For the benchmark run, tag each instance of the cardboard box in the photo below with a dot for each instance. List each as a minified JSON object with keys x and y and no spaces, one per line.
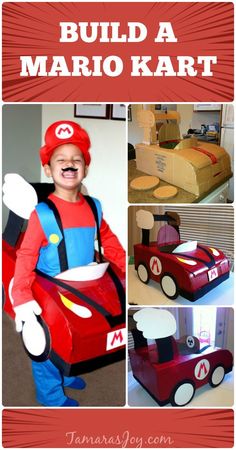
{"x":193,"y":166}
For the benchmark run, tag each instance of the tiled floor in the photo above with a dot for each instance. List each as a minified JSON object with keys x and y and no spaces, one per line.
{"x":205,"y":396}
{"x":151,"y":294}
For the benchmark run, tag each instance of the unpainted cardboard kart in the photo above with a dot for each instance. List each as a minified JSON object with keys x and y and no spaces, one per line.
{"x":197,"y":167}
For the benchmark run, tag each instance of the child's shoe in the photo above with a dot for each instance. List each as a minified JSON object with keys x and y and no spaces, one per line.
{"x":70,"y":402}
{"x":77,"y":383}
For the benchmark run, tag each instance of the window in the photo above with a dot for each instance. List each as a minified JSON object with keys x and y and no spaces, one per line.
{"x":204,"y":325}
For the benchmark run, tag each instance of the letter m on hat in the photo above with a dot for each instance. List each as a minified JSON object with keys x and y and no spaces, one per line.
{"x":64,"y":131}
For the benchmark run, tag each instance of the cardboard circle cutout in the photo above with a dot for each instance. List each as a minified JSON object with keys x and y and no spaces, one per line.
{"x":165,"y":192}
{"x":144,"y":183}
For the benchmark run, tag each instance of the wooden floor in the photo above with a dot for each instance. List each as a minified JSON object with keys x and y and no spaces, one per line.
{"x":105,"y":386}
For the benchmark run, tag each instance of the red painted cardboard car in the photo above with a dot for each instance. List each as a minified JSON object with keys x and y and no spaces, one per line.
{"x":73,"y":342}
{"x":190,"y":273}
{"x":170,"y":374}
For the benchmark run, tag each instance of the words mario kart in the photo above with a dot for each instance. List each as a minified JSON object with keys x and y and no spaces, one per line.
{"x":105,"y":33}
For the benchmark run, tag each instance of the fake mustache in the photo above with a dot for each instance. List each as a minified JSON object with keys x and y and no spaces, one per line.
{"x":72,"y":169}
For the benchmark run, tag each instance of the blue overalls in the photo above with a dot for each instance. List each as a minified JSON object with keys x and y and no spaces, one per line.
{"x":78,"y":250}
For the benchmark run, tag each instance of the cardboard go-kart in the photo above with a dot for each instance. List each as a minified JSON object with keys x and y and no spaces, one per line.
{"x":182,"y":268}
{"x":169,"y":370}
{"x":82,"y":325}
{"x":197,"y":167}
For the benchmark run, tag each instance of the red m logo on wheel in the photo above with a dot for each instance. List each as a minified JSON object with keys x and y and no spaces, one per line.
{"x":202,"y":367}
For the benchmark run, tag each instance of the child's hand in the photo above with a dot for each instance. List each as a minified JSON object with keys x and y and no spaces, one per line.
{"x":19,"y":196}
{"x":26,"y":313}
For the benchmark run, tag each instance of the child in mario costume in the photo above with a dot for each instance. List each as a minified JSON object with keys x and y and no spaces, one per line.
{"x":65,"y":157}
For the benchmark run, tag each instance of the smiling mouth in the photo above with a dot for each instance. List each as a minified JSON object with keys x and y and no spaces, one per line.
{"x":69,"y":172}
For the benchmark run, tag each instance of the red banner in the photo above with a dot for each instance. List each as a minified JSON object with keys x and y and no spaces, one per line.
{"x":109,"y":52}
{"x":118,"y":428}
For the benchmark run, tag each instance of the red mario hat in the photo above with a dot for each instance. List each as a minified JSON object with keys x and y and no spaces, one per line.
{"x":65,"y":132}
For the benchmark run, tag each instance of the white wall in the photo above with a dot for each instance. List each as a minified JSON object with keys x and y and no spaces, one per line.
{"x":106,"y":179}
{"x":21,"y":132}
{"x":194,"y":119}
{"x":135,"y":133}
{"x":188,"y":119}
{"x":186,"y":114}
{"x":229,"y":344}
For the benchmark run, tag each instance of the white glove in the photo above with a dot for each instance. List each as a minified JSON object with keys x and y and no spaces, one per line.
{"x":26,"y":313}
{"x":19,"y":196}
{"x":144,"y":219}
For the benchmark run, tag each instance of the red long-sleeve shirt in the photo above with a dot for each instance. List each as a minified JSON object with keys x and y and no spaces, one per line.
{"x":76,"y":214}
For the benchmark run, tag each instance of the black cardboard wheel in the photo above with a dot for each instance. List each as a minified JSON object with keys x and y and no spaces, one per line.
{"x":143,"y":273}
{"x":169,"y":286}
{"x":182,"y":393}
{"x":217,"y":376}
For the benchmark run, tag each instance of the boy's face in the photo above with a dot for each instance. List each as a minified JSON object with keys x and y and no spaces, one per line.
{"x":67,"y":166}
